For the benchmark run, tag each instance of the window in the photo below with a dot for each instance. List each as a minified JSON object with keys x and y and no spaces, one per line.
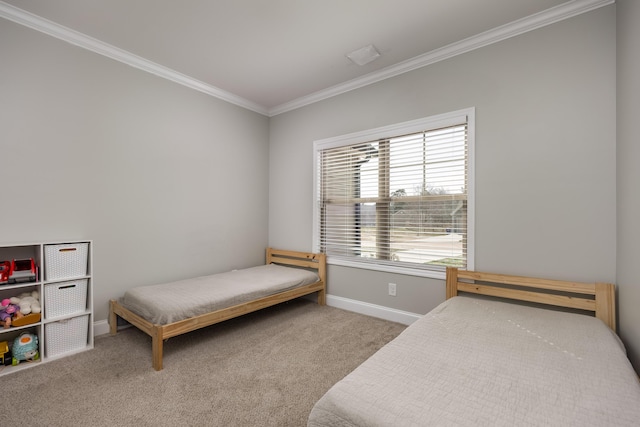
{"x":398,"y":198}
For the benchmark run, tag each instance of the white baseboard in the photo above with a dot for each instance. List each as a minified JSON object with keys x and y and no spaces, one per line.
{"x":101,"y":327}
{"x":386,"y":313}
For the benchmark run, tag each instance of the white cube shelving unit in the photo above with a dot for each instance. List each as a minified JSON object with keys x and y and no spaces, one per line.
{"x":64,"y":284}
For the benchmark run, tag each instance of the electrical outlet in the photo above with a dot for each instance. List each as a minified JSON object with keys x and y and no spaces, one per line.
{"x":392,"y":289}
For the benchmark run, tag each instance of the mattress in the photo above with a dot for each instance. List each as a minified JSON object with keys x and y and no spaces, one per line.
{"x":171,"y":302}
{"x":473,"y":362}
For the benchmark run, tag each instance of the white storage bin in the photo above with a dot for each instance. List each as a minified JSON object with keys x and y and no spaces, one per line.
{"x":66,"y":335}
{"x":65,"y":298}
{"x":65,"y":261}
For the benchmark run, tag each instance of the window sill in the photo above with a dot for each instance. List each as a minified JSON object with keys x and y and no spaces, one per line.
{"x":396,"y":269}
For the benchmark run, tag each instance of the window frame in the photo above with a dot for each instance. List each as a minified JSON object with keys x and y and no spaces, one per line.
{"x":388,"y":132}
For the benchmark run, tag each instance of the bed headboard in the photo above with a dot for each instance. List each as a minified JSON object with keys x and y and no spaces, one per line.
{"x":598,"y":298}
{"x":316,"y":261}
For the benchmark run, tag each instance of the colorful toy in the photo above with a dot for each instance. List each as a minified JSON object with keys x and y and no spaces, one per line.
{"x":28,"y":302}
{"x":23,"y":270}
{"x":8,"y":312}
{"x":18,"y":271}
{"x":5,"y":354}
{"x":25,"y":347}
{"x":5,"y":271}
{"x":29,"y":309}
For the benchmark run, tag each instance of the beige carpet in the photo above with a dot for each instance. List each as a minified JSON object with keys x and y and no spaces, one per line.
{"x":264,"y":369}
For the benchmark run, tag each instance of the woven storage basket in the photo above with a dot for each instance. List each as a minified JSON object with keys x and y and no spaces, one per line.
{"x":65,"y":261}
{"x":66,"y":335}
{"x":65,"y":298}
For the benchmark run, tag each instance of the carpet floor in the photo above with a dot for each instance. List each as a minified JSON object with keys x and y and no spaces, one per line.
{"x":264,"y":369}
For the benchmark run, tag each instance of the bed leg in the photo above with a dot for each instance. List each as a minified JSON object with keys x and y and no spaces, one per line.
{"x":113,"y":318}
{"x":322,"y":297}
{"x":156,"y":348}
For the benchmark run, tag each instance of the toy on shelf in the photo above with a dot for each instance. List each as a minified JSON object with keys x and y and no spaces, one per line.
{"x":8,"y":312}
{"x":5,"y":271}
{"x":29,"y":307}
{"x":18,"y":271}
{"x":23,"y":270}
{"x":28,"y":301}
{"x":25,"y":348}
{"x":20,"y":311}
{"x":5,"y":354}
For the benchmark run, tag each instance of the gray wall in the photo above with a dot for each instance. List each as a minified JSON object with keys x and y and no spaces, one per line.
{"x":545,"y":156}
{"x":170,"y":183}
{"x":628,"y":111}
{"x":166,"y":181}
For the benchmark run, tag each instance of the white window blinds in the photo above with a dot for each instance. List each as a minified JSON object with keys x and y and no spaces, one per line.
{"x":397,"y":200}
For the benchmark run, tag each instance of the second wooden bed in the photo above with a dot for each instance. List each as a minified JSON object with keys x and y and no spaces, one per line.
{"x":476,"y":360}
{"x":160,"y":332}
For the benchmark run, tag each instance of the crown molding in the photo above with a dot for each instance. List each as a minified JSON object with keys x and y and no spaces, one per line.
{"x":76,"y":38}
{"x":555,"y":14}
{"x":515,"y":28}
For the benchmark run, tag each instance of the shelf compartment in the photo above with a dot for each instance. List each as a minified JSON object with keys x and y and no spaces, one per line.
{"x":9,"y":335}
{"x":66,"y":336}
{"x":63,"y":298}
{"x":65,"y":261}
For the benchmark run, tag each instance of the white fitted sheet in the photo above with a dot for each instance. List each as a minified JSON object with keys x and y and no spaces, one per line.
{"x":473,"y":362}
{"x":170,"y":302}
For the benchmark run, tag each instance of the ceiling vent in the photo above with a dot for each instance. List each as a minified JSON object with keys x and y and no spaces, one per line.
{"x":364,"y":55}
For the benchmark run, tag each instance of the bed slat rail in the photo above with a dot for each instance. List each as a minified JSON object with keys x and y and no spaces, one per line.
{"x":293,"y":261}
{"x":598,"y":298}
{"x":550,"y":299}
{"x":556,"y":285}
{"x":301,"y":259}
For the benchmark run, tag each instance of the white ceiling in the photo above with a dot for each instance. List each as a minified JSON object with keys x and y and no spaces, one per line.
{"x":275,"y":55}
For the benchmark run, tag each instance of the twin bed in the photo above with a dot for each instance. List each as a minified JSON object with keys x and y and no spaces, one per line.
{"x":489,"y":355}
{"x":167,"y":310}
{"x":475,"y":360}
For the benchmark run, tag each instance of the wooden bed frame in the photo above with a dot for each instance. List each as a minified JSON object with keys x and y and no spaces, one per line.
{"x":159,"y":333}
{"x":518,"y":397}
{"x":598,"y":298}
